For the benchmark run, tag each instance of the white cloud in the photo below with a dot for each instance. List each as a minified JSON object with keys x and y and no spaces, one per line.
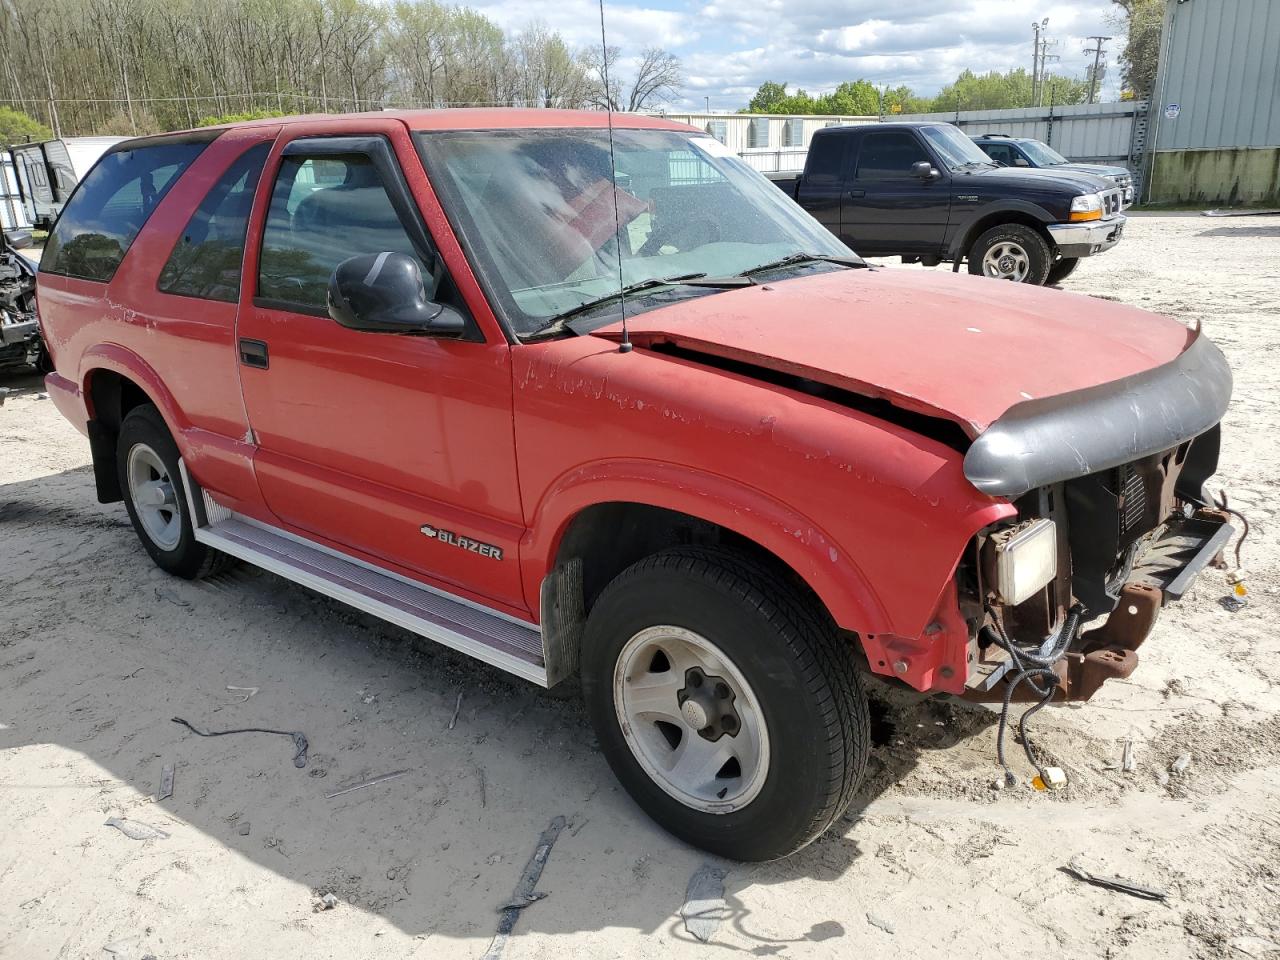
{"x":729,"y":47}
{"x":816,"y":44}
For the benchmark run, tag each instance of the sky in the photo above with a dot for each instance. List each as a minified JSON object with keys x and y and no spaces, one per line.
{"x":729,"y":47}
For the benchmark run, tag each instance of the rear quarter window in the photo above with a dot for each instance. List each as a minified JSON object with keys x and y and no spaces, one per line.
{"x":112,"y":204}
{"x":205,"y":262}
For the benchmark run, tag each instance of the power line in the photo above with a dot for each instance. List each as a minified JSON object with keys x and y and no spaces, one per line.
{"x":1099,"y":65}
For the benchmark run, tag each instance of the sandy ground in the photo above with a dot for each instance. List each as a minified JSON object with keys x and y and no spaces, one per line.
{"x":98,"y":650}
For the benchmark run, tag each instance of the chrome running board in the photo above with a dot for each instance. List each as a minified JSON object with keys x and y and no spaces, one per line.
{"x":494,"y":638}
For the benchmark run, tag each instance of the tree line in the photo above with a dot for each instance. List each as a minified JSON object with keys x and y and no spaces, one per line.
{"x":969,"y":91}
{"x":140,"y":66}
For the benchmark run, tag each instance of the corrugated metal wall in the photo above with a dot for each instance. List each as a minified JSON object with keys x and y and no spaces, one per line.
{"x":738,"y":126}
{"x":1097,"y":132}
{"x":1221,"y":67}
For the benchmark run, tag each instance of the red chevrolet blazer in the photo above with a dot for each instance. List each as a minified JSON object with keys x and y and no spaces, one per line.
{"x":602,"y":402}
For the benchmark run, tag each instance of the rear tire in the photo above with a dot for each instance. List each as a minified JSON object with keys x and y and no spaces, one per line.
{"x":1062,"y":268}
{"x":154,"y":495}
{"x":1011,"y":251}
{"x":756,"y":675}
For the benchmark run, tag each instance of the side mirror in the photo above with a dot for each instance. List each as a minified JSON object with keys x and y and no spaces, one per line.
{"x":384,"y":293}
{"x":925,"y":170}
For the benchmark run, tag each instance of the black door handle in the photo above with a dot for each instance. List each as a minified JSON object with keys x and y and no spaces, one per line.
{"x":253,"y":353}
{"x":854,"y":194}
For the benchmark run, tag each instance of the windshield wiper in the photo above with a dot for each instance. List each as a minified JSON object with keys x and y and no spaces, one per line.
{"x":806,"y":258}
{"x":560,"y":320}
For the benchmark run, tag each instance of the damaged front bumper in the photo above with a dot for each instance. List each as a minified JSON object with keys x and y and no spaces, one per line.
{"x":1120,"y":469}
{"x":1168,"y":562}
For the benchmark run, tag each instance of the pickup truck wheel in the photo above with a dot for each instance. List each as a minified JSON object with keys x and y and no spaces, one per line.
{"x":725,"y":703}
{"x":1062,"y":268}
{"x":147,"y":465}
{"x":1011,"y":251}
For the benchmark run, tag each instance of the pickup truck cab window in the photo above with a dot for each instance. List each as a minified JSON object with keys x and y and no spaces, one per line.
{"x":825,"y":163}
{"x":206,"y":260}
{"x":535,"y":210}
{"x":324,"y":209}
{"x":113,"y":202}
{"x":890,"y":156}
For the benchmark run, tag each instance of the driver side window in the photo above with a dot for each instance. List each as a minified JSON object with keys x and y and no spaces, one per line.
{"x":323,"y":210}
{"x":999,"y":152}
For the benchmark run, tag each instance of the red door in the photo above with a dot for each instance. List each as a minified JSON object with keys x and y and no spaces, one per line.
{"x":395,"y":447}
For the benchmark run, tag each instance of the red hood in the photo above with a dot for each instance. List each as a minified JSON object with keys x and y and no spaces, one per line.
{"x":961,"y":347}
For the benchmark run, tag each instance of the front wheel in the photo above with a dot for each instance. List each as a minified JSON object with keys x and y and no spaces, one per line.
{"x":1011,"y":251}
{"x":725,"y":702}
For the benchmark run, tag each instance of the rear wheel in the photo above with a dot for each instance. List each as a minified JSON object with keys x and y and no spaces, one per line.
{"x":147,"y":465}
{"x":1061,"y":269}
{"x":725,"y":702}
{"x":1011,"y":251}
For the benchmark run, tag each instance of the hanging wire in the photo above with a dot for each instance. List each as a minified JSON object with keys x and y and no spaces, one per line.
{"x":625,"y":346}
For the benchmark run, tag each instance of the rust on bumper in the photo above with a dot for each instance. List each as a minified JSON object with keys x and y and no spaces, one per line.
{"x":1110,"y":651}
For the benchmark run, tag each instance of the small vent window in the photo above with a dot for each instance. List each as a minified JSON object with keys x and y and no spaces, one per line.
{"x":758,"y":132}
{"x":793,"y":132}
{"x":719,"y":130}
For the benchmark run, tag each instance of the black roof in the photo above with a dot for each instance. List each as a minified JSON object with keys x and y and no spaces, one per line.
{"x":885,"y":125}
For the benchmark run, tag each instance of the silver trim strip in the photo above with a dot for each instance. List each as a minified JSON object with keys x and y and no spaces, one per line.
{"x":432,"y":630}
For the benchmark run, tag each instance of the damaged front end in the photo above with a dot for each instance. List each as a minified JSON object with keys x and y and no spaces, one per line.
{"x":1113,"y":521}
{"x":20,"y":343}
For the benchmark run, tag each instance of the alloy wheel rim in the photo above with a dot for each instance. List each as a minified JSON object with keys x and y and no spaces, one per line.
{"x":1007,"y":261}
{"x":691,"y":719}
{"x":153,"y":496}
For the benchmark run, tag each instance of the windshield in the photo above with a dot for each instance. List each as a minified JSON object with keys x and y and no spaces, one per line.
{"x":1041,"y":154}
{"x":537,"y":213}
{"x":956,"y":149}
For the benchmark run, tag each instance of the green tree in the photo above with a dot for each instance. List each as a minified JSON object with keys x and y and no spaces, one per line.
{"x":902,"y":99}
{"x":767,"y":97}
{"x":850,"y":99}
{"x":1004,"y":91}
{"x":1142,"y":21}
{"x":237,"y":117}
{"x":18,"y":127}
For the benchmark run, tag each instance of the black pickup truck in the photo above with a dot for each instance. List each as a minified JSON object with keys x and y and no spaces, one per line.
{"x":925,"y":192}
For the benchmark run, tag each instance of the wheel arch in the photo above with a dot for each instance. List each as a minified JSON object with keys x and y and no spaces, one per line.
{"x":1025,"y":214}
{"x":113,"y":382}
{"x":600,"y":519}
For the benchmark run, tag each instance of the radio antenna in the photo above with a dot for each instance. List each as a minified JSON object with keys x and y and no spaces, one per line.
{"x":625,"y":346}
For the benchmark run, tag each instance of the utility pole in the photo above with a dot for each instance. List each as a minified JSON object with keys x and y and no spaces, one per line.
{"x":1039,"y":55}
{"x":1099,"y":66}
{"x":1035,"y":58}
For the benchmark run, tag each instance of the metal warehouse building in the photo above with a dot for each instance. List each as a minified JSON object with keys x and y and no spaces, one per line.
{"x":1216,"y":104}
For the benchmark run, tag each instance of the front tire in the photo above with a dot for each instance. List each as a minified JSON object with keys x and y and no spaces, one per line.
{"x":1011,"y":251}
{"x":147,"y":467}
{"x":1063,"y":268}
{"x":725,"y":702}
